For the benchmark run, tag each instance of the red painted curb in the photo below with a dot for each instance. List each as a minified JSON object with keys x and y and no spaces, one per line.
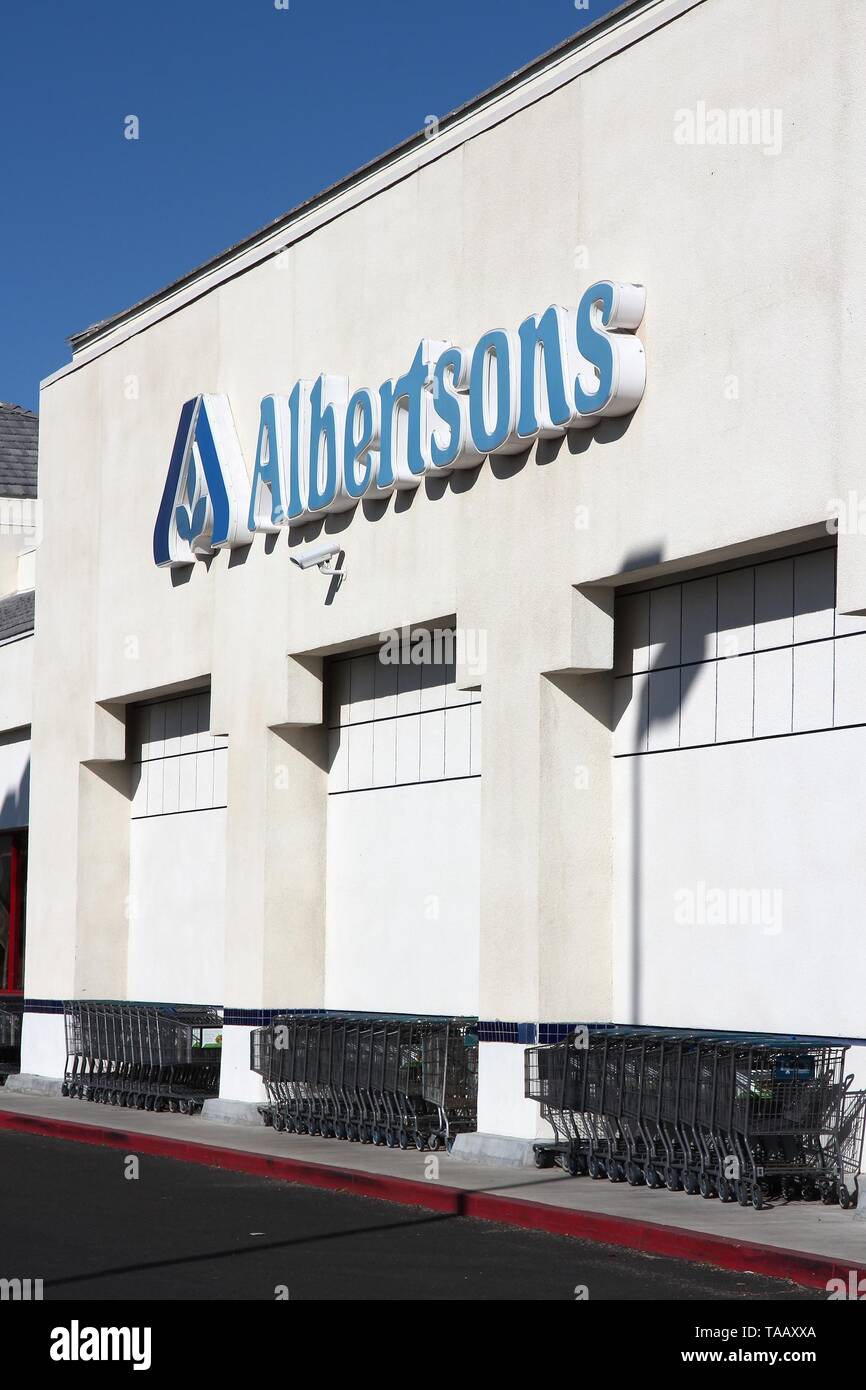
{"x":649,"y":1237}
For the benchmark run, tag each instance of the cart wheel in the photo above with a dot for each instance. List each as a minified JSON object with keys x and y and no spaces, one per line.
{"x":634,"y":1176}
{"x":449,"y":1143}
{"x":571,"y":1164}
{"x":705,"y":1186}
{"x":64,"y":1089}
{"x":420,"y":1141}
{"x":403,"y":1139}
{"x":435,"y":1142}
{"x":844,"y":1197}
{"x":757,"y":1198}
{"x":593,"y":1166}
{"x":390,"y":1138}
{"x":724,"y":1190}
{"x":543,"y":1158}
{"x":828,"y":1197}
{"x":649,"y":1175}
{"x":672,"y":1179}
{"x":808,"y":1192}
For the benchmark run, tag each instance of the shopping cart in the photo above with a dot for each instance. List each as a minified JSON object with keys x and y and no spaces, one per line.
{"x":371,"y":1080}
{"x":783,"y":1112}
{"x":449,"y":1065}
{"x":743,"y":1119}
{"x":849,"y":1145}
{"x":142,"y":1056}
{"x":579,"y":1083}
{"x":11,"y":1012}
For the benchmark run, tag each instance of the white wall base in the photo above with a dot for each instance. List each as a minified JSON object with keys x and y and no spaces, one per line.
{"x":29,"y":1085}
{"x":237,"y":1082}
{"x":502,"y":1108}
{"x":43,"y":1045}
{"x":855,"y":1065}
{"x":499,"y":1150}
{"x":232,"y":1112}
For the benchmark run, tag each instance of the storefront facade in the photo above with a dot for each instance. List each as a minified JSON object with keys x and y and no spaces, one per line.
{"x":621,"y":781}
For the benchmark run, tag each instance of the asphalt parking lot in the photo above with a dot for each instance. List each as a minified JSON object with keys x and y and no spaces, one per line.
{"x":79,"y":1218}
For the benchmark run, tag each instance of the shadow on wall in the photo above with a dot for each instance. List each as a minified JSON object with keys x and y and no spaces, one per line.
{"x":635,"y":561}
{"x":502,"y":467}
{"x":762,"y":599}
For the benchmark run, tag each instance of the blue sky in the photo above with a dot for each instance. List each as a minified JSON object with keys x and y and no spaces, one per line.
{"x":244,"y":110}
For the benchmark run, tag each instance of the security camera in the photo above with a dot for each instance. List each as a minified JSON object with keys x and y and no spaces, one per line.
{"x":319,"y":555}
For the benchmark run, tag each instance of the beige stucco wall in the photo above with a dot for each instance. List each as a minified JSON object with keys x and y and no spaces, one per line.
{"x":753,"y":265}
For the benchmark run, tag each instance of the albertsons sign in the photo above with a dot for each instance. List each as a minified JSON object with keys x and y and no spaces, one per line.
{"x":324,"y":447}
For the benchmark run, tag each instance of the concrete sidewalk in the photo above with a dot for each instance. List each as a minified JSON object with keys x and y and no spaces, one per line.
{"x":806,"y":1242}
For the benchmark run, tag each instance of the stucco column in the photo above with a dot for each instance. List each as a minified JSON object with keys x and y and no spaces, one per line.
{"x":546,"y":854}
{"x":275,"y":864}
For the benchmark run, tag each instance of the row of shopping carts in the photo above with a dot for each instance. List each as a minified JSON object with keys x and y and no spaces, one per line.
{"x":375,"y":1081}
{"x":748,"y":1120}
{"x":10,"y":1037}
{"x":142,"y":1056}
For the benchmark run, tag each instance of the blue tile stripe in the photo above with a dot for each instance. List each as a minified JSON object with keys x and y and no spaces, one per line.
{"x":489,"y":1030}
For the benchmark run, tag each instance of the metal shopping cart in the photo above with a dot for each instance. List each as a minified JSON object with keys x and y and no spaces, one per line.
{"x":744,"y":1119}
{"x":144,"y":1056}
{"x":449,"y":1062}
{"x":379,"y":1081}
{"x":11,"y":1012}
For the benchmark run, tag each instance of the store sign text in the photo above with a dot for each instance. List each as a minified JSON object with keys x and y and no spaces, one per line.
{"x":324,"y":448}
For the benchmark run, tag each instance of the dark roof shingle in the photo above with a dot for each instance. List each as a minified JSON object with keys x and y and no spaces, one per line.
{"x":17,"y":614}
{"x":19,"y":441}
